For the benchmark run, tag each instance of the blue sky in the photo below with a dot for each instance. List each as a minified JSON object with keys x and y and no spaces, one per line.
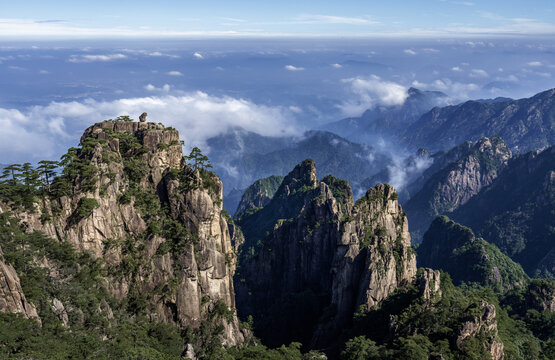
{"x":164,"y":18}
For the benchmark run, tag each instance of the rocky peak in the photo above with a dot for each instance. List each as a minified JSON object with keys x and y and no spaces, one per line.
{"x":155,"y":225}
{"x":475,"y":167}
{"x":258,"y":194}
{"x":155,"y":138}
{"x":302,"y":176}
{"x":323,"y":256}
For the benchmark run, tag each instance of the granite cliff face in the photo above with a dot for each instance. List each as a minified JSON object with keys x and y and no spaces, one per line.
{"x":516,"y":212}
{"x":483,"y":324}
{"x":153,"y":223}
{"x":12,"y":298}
{"x":312,"y":257}
{"x":456,"y":183}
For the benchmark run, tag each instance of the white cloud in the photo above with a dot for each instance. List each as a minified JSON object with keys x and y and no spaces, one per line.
{"x":293,"y":68}
{"x":535,"y":63}
{"x":295,"y":109}
{"x":330,"y":19}
{"x":510,"y":78}
{"x":148,"y":53}
{"x":337,"y":66}
{"x":410,"y":52}
{"x":40,"y":132}
{"x":164,"y":88}
{"x":402,"y":172}
{"x":44,"y":72}
{"x":175,"y":73}
{"x":371,"y":92}
{"x":452,"y":88}
{"x":456,"y":68}
{"x":11,"y":28}
{"x":478,"y":73}
{"x":198,"y":55}
{"x":92,"y":58}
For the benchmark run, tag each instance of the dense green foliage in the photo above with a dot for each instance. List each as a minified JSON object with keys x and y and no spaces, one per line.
{"x":454,"y":248}
{"x":407,"y":326}
{"x":91,"y":333}
{"x":340,"y":188}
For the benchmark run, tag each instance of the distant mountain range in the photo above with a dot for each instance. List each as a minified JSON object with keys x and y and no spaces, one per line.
{"x":388,"y":120}
{"x":524,"y":124}
{"x":377,"y":147}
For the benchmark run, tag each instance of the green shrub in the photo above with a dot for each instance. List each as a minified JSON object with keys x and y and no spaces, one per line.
{"x":86,"y":206}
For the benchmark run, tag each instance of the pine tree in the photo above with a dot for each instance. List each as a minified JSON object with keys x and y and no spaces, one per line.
{"x":47,"y":168}
{"x":198,"y":161}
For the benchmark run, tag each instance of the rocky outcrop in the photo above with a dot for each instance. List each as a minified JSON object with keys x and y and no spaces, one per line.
{"x":372,"y":258}
{"x":258,"y":194}
{"x":483,"y":325}
{"x":540,"y":295}
{"x":516,"y":212}
{"x":312,"y":249}
{"x":429,"y":283}
{"x":453,"y":248}
{"x":12,"y":298}
{"x":157,"y":224}
{"x":455,"y":184}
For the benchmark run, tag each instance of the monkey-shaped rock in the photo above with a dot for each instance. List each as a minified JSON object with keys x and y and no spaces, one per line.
{"x":142,"y":118}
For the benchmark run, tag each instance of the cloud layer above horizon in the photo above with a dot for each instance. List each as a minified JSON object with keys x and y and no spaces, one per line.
{"x":38,"y":132}
{"x":426,"y":18}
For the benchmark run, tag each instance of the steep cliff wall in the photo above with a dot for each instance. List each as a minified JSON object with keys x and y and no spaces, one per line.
{"x":154,"y":224}
{"x":456,"y":183}
{"x":12,"y":298}
{"x":311,"y":249}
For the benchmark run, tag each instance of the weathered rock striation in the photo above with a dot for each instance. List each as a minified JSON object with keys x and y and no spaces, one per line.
{"x":455,"y":184}
{"x":484,"y":325}
{"x":12,"y":298}
{"x":155,"y":224}
{"x":311,"y":249}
